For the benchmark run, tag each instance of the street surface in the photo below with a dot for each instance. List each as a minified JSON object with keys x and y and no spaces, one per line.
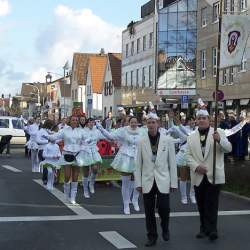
{"x":33,"y":218}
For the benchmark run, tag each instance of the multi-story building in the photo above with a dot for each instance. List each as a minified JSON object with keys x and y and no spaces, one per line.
{"x":176,"y":49}
{"x":94,"y":84}
{"x":234,"y":81}
{"x":138,"y":60}
{"x":111,"y":94}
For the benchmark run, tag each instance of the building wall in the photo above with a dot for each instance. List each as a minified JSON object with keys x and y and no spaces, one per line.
{"x":207,"y":39}
{"x":140,"y":60}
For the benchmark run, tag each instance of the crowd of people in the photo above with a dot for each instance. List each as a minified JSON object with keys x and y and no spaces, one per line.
{"x":149,"y":158}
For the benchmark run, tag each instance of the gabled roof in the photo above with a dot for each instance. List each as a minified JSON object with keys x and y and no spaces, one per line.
{"x":97,"y":65}
{"x":115,"y":67}
{"x":80,"y":66}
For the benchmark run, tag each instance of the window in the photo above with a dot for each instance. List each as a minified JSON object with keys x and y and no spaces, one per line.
{"x":150,"y":75}
{"x":4,"y":123}
{"x":243,"y":5}
{"x":203,"y":64}
{"x":126,"y":79}
{"x":231,"y":75}
{"x":243,"y":66}
{"x":126,"y":50}
{"x":72,"y":94}
{"x":214,"y":61}
{"x":204,"y":17}
{"x":131,"y":77}
{"x":216,"y":12}
{"x":151,"y":40}
{"x":105,"y":111}
{"x":76,"y":93}
{"x":137,"y":78}
{"x":17,"y":124}
{"x":110,"y":88}
{"x":105,"y":89}
{"x":231,"y":6}
{"x":132,"y":48}
{"x":144,"y":43}
{"x":111,"y":109}
{"x":225,"y":7}
{"x":224,"y":77}
{"x":138,"y":46}
{"x":143,"y":77}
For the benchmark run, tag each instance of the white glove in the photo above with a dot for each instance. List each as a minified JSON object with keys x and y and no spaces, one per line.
{"x":98,"y":125}
{"x":88,"y":140}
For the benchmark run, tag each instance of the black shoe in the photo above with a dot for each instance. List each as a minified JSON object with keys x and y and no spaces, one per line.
{"x":201,"y":235}
{"x":151,"y":243}
{"x":213,"y":236}
{"x":165,"y":236}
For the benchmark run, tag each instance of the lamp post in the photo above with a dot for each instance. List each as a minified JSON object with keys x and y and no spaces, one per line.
{"x":38,"y":93}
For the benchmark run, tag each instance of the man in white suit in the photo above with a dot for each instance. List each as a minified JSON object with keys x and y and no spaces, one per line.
{"x":155,"y":175}
{"x":199,"y":157}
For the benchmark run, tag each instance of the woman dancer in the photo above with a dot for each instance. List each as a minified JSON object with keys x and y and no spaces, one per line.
{"x":124,"y":161}
{"x":89,"y":157}
{"x":32,"y":144}
{"x":72,"y":137}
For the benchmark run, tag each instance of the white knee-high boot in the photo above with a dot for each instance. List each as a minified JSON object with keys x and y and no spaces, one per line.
{"x":183,"y":190}
{"x":85,"y":182}
{"x":192,"y":195}
{"x":126,"y":193}
{"x":34,"y":160}
{"x":67,"y":190}
{"x":50,"y":181}
{"x":135,"y":196}
{"x":92,"y":183}
{"x":73,"y":192}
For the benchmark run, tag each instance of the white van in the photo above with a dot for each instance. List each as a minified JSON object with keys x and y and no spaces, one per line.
{"x":13,"y":126}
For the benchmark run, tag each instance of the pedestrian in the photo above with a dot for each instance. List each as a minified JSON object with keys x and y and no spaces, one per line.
{"x":199,"y":158}
{"x":155,"y":176}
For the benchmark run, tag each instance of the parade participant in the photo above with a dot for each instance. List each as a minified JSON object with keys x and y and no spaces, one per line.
{"x":155,"y":175}
{"x":72,"y":137}
{"x":32,"y":145}
{"x":199,"y":156}
{"x":51,"y":155}
{"x":89,"y":157}
{"x":182,"y":164}
{"x":44,"y":131}
{"x":82,"y":121}
{"x":63,"y":123}
{"x":27,"y":136}
{"x":124,"y":161}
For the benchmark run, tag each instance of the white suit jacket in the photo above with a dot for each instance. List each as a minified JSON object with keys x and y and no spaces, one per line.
{"x":163,"y":171}
{"x":195,"y":157}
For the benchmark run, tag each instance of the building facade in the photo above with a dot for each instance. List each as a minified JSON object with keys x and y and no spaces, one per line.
{"x":138,"y":60}
{"x":111,"y":94}
{"x":234,"y":81}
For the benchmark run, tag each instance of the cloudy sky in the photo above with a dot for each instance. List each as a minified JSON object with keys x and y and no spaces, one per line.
{"x":40,"y":36}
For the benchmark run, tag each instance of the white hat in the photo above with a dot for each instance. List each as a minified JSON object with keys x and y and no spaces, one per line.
{"x":152,"y":116}
{"x":202,"y":112}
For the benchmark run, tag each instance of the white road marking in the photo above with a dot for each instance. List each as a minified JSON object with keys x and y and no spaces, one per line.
{"x":111,"y":216}
{"x":12,"y":168}
{"x":77,"y":209}
{"x":117,"y":240}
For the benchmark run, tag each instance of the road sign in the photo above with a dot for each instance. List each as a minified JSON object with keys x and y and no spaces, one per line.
{"x":220,"y":95}
{"x":184,"y":102}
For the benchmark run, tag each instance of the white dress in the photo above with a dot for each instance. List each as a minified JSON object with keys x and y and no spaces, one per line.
{"x":89,"y":154}
{"x":125,"y":159}
{"x":72,"y":143}
{"x":32,"y":130}
{"x":51,"y":155}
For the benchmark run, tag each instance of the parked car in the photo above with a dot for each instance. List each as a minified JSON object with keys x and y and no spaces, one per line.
{"x":13,"y":126}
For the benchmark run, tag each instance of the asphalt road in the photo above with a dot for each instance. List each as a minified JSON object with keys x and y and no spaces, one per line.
{"x":33,"y":218}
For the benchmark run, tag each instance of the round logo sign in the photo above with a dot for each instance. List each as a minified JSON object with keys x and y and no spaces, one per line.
{"x":220,"y":95}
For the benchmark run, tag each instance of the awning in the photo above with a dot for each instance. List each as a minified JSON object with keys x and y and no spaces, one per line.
{"x":244,"y":101}
{"x":229,"y":102}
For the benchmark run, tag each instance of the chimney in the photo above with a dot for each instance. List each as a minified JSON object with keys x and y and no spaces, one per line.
{"x":102,"y":52}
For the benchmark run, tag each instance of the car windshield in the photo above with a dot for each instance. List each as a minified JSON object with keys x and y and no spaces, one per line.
{"x":17,"y":124}
{"x":4,"y":123}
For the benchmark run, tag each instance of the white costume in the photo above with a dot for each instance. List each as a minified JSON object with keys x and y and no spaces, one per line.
{"x":32,"y":130}
{"x":72,"y":138}
{"x":125,"y":162}
{"x":51,"y":155}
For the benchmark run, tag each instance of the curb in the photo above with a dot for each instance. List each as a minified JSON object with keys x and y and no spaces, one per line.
{"x":236,"y":195}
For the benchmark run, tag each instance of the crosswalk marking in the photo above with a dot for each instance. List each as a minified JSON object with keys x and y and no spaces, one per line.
{"x":12,"y":168}
{"x":77,"y":209}
{"x":117,"y":240}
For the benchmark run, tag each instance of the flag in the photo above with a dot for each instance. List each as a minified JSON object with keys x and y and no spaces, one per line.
{"x":234,"y":35}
